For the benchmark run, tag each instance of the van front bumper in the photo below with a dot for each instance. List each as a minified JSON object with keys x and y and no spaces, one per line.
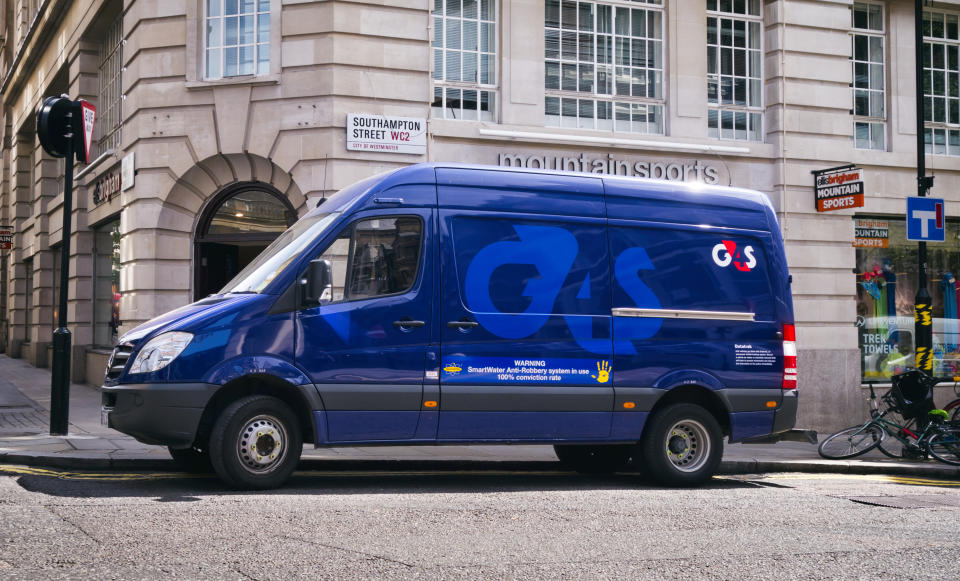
{"x":156,"y":413}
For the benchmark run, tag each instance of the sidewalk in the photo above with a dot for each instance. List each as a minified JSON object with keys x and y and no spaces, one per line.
{"x":25,"y":439}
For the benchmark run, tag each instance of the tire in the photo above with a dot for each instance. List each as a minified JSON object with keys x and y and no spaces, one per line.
{"x":193,"y":459}
{"x":945,"y":446}
{"x":256,"y":443}
{"x":851,"y":442}
{"x":682,"y":445}
{"x":594,"y":459}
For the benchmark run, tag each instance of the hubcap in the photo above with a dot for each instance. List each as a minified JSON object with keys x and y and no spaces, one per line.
{"x":687,"y":445}
{"x":262,"y":444}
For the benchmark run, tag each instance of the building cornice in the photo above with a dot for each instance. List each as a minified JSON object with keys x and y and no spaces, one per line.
{"x":40,"y":29}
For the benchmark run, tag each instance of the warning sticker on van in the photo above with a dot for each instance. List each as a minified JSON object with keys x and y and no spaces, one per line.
{"x":748,"y":355}
{"x":500,"y":370}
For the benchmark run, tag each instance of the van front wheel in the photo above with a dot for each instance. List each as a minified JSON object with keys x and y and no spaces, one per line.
{"x":594,"y":459}
{"x":682,"y":446}
{"x":256,"y":443}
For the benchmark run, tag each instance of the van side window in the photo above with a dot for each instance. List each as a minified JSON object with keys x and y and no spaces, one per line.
{"x":375,"y":257}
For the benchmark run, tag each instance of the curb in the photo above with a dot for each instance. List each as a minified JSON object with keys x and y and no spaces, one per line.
{"x":727,"y":467}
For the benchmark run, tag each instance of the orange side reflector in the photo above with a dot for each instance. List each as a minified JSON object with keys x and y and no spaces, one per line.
{"x":629,"y":405}
{"x":430,"y":404}
{"x":771,"y":404}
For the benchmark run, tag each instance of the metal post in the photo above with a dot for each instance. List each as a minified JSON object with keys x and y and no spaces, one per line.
{"x":923,"y":311}
{"x":60,"y":383}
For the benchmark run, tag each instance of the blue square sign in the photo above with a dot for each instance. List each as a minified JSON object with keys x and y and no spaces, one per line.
{"x":925,"y":220}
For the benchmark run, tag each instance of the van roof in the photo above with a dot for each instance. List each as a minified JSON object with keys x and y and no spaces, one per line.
{"x":676,"y":201}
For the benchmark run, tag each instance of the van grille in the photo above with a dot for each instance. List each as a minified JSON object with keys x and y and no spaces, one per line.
{"x":118,"y":360}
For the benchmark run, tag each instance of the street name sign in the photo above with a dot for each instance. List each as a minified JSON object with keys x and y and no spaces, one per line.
{"x":384,"y":134}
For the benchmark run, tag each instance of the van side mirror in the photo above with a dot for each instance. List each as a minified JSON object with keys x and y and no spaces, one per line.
{"x":319,"y":282}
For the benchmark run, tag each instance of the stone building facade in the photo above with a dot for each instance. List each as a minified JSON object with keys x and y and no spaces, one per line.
{"x":220,"y":121}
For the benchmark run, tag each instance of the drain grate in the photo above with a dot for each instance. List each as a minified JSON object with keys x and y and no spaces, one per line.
{"x":21,"y":421}
{"x":909,"y":501}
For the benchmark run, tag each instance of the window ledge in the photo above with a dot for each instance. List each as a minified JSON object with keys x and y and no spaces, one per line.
{"x":251,"y":80}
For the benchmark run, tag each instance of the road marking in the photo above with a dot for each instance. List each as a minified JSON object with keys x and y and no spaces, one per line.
{"x":15,"y":470}
{"x":868,"y":477}
{"x":93,"y":476}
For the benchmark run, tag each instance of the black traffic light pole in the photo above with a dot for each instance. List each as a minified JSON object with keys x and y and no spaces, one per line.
{"x":922,"y":308}
{"x":60,"y":124}
{"x":60,"y":382}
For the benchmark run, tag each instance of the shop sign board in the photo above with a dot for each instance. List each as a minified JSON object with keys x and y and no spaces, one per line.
{"x":386,"y":134}
{"x":871,"y":233}
{"x":925,"y":221}
{"x":6,"y":237}
{"x":106,"y":187}
{"x":838,"y":188}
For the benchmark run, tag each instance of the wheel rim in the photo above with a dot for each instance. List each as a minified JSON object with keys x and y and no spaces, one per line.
{"x":688,"y":445}
{"x":262,"y":444}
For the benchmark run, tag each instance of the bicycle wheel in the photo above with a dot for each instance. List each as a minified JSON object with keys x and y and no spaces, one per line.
{"x":851,"y":442}
{"x":892,"y":446}
{"x":945,"y":446}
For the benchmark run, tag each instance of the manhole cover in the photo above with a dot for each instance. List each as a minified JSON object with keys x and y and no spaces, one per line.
{"x":909,"y":501}
{"x":22,"y":421}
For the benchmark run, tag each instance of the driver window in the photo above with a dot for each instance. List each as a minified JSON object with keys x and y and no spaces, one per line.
{"x":375,"y":257}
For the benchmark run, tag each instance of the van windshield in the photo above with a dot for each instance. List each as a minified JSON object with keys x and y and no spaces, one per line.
{"x":274,"y":258}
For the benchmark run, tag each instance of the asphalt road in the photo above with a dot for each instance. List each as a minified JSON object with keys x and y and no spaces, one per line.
{"x":446,"y":524}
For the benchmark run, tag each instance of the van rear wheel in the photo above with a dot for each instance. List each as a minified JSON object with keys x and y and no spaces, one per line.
{"x":594,"y":459}
{"x":256,"y":443}
{"x":682,"y":446}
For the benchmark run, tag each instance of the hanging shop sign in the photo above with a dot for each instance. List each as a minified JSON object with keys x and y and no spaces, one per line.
{"x":869,"y":233}
{"x":838,"y":188}
{"x":106,"y":187}
{"x":386,"y":134}
{"x":6,"y":237}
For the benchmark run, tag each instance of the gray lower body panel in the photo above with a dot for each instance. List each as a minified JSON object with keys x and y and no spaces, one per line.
{"x":157,"y":413}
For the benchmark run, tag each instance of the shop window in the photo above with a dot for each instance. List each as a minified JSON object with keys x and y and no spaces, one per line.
{"x":869,"y":76}
{"x":464,"y":59}
{"x":941,"y":82}
{"x":886,"y":290}
{"x":604,"y":65}
{"x":734,"y":70}
{"x":106,"y":285}
{"x":109,"y":116}
{"x":236,"y":38}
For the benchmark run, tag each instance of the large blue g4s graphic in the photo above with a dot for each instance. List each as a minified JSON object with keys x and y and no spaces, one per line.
{"x":552,"y":251}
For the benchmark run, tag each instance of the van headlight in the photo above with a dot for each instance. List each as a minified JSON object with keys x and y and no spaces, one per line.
{"x":160,"y":351}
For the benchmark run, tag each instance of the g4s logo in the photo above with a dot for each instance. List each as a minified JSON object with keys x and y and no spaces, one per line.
{"x":726,"y":252}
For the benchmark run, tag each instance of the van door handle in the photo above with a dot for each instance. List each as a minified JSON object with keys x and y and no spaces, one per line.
{"x":408,"y":323}
{"x":462,"y":324}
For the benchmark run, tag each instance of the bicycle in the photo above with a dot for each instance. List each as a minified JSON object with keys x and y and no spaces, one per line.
{"x":938,"y":438}
{"x":893,"y":447}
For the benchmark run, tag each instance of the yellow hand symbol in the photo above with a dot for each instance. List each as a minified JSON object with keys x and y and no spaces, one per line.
{"x":603,"y":372}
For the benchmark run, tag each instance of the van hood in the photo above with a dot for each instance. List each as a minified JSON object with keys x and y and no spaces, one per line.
{"x":187,"y":315}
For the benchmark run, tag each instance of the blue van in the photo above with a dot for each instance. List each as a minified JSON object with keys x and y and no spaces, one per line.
{"x":615,"y":318}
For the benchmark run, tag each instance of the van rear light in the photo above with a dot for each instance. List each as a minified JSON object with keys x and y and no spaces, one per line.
{"x":789,"y":357}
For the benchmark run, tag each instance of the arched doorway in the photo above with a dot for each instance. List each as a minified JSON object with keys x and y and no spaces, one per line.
{"x":236,"y":226}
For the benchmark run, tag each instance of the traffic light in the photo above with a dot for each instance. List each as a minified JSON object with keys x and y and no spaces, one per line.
{"x":65,"y":126}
